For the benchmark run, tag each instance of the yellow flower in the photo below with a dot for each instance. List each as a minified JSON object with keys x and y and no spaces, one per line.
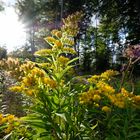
{"x":57,"y":33}
{"x":63,"y":60}
{"x":4,"y":120}
{"x":136,"y":99}
{"x":120,"y":104}
{"x":84,"y":98}
{"x":49,"y":82}
{"x":10,"y":118}
{"x":44,"y":52}
{"x":94,"y":79}
{"x":27,"y":66}
{"x":44,"y":65}
{"x":29,"y":92}
{"x":68,"y":41}
{"x":16,"y":88}
{"x":96,"y":105}
{"x":9,"y":128}
{"x":1,"y":116}
{"x":125,"y":93}
{"x":29,"y":80}
{"x":1,"y":119}
{"x":109,"y":73}
{"x":105,"y":88}
{"x":69,"y":50}
{"x":96,"y":98}
{"x":37,"y":72}
{"x":58,"y":44}
{"x":106,"y":109}
{"x":50,"y":39}
{"x":112,"y":98}
{"x":118,"y":100}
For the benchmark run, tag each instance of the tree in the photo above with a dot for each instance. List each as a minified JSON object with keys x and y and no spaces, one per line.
{"x":122,"y":16}
{"x":3,"y":53}
{"x":1,"y":6}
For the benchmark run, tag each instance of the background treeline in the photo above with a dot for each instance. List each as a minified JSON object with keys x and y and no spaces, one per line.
{"x":107,"y":28}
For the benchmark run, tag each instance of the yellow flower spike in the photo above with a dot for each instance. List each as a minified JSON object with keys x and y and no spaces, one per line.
{"x":71,"y":24}
{"x":58,"y":44}
{"x":27,"y":66}
{"x":56,"y":33}
{"x":53,"y":32}
{"x":44,"y":52}
{"x":69,"y":50}
{"x":50,"y":39}
{"x":63,"y":60}
{"x":106,"y":109}
{"x":68,"y":41}
{"x":59,"y":34}
{"x":44,"y":65}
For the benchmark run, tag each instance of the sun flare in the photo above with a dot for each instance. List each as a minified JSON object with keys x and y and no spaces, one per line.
{"x":12,"y":32}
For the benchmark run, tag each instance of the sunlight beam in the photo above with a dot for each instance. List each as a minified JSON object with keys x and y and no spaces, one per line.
{"x":12,"y":32}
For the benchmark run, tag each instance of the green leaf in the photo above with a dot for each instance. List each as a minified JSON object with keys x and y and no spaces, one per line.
{"x":7,"y":136}
{"x":73,"y":60}
{"x":133,"y":134}
{"x":94,"y":126}
{"x":61,"y":116}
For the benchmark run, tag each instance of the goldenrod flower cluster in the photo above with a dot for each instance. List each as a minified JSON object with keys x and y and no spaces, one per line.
{"x":55,"y":43}
{"x":108,"y":74}
{"x":105,"y":88}
{"x":104,"y":76}
{"x":12,"y":66}
{"x":62,"y":60}
{"x":44,"y":52}
{"x":32,"y":81}
{"x":48,"y":81}
{"x":8,"y":121}
{"x":71,"y":24}
{"x":56,"y":33}
{"x":69,"y":41}
{"x":50,"y":39}
{"x":39,"y":75}
{"x":69,"y":50}
{"x":136,"y":101}
{"x":102,"y":93}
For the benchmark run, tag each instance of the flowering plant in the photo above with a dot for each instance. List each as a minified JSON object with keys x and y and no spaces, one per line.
{"x":62,"y":108}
